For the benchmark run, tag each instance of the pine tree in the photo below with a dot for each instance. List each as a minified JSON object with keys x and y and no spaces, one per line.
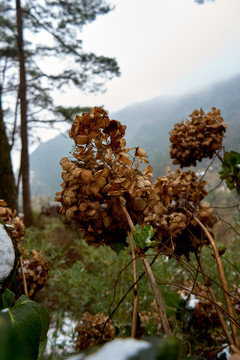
{"x":61,"y":23}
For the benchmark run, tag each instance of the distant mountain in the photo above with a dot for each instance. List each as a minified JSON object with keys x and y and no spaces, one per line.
{"x":148,"y":124}
{"x":45,"y":165}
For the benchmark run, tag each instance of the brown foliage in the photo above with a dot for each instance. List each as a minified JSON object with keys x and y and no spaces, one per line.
{"x":198,"y":138}
{"x":35,"y":267}
{"x":93,"y":329}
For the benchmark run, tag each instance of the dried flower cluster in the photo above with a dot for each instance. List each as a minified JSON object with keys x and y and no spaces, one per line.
{"x":198,"y":138}
{"x":103,"y":175}
{"x":35,"y":265}
{"x":36,"y":269}
{"x":171,"y":201}
{"x":147,"y":316}
{"x":204,"y":312}
{"x":93,"y":329}
{"x":14,"y":222}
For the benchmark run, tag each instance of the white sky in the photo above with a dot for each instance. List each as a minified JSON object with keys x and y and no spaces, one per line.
{"x":162,"y":47}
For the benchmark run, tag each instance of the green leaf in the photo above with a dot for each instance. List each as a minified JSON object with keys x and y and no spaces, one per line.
{"x":173,"y":299}
{"x":230,"y":184}
{"x":142,"y":236}
{"x":118,"y":246}
{"x":7,"y":299}
{"x":45,"y":321}
{"x":169,"y":348}
{"x":231,"y":170}
{"x":10,"y":345}
{"x":238,"y":190}
{"x":42,"y":347}
{"x":26,"y":323}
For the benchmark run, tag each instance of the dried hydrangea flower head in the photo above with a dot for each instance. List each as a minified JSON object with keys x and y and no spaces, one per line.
{"x":36,"y":269}
{"x":171,"y":199}
{"x":93,"y":329}
{"x":101,"y":174}
{"x":35,"y":265}
{"x":198,"y":138}
{"x":14,"y":222}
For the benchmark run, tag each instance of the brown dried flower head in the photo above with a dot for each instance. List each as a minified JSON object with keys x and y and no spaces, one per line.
{"x":102,"y":174}
{"x":92,"y":329}
{"x":171,"y":199}
{"x":198,"y":138}
{"x":36,"y":269}
{"x":16,"y":224}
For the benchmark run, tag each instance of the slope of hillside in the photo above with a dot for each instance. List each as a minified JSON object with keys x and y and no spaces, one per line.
{"x":150,"y":121}
{"x":45,"y":165}
{"x":148,"y":124}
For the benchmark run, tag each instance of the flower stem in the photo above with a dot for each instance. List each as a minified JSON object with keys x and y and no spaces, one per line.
{"x":135,"y":290}
{"x":220,"y":315}
{"x":23,"y":276}
{"x":152,"y":280}
{"x":223,"y":280}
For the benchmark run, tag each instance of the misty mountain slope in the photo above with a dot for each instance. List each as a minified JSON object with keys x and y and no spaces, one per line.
{"x":148,"y":124}
{"x":45,"y":165}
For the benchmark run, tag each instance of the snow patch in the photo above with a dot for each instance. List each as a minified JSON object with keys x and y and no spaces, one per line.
{"x":5,"y":310}
{"x":7,"y":254}
{"x":119,"y":349}
{"x":192,"y":301}
{"x":61,"y":341}
{"x":226,"y":351}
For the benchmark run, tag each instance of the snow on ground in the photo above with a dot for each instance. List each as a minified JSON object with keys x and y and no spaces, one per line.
{"x":119,"y":349}
{"x":62,"y":341}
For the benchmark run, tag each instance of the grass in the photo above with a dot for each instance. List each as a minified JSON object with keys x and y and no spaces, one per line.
{"x":83,"y":278}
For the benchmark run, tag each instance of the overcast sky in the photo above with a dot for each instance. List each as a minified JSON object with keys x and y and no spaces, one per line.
{"x":163,"y":47}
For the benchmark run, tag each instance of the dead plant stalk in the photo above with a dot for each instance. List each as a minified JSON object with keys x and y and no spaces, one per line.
{"x":135,"y":295}
{"x":152,"y":280}
{"x":223,"y":280}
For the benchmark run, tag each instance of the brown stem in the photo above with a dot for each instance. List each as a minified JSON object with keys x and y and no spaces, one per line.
{"x":158,"y":297}
{"x":23,"y":276}
{"x":223,"y":280}
{"x":224,"y":326}
{"x":152,"y":280}
{"x":135,"y":295}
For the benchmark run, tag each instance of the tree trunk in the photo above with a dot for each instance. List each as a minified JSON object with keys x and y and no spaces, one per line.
{"x":28,"y":218}
{"x":7,"y":183}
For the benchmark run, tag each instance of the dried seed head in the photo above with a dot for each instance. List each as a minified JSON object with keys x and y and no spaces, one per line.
{"x":191,"y":141}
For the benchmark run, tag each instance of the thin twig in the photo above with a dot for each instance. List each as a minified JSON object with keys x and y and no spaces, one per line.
{"x":228,"y":223}
{"x":135,"y":294}
{"x":135,"y":290}
{"x":23,"y":275}
{"x":224,"y":326}
{"x":110,"y":315}
{"x":222,"y":278}
{"x":158,"y":297}
{"x":203,"y":297}
{"x":152,"y":280}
